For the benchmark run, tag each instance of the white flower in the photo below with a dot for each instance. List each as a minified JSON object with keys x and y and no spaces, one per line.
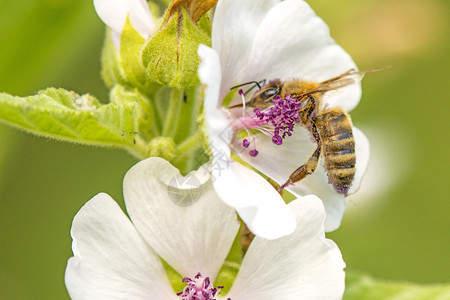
{"x":115,"y":258}
{"x":268,"y":39}
{"x":114,"y":13}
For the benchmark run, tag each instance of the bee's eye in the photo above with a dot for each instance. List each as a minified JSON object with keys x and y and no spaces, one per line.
{"x":267,"y":94}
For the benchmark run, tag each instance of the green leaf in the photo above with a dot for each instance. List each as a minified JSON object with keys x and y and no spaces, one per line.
{"x":65,"y":115}
{"x":359,"y":286}
{"x":146,"y":119}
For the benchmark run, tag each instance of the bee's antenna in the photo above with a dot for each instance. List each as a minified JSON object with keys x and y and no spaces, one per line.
{"x":247,"y":83}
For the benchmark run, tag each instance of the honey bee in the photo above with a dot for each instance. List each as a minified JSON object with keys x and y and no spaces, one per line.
{"x":330,"y":128}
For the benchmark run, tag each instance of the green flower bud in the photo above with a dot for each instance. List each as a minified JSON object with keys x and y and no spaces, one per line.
{"x":170,"y":56}
{"x":162,"y":147}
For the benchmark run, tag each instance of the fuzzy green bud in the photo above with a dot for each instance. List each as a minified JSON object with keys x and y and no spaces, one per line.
{"x":170,"y":56}
{"x":162,"y":147}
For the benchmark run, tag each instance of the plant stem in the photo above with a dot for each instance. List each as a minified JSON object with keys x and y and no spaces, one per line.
{"x":173,"y":113}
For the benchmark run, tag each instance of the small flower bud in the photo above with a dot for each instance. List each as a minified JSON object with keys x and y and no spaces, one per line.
{"x":162,"y":147}
{"x":170,"y":56}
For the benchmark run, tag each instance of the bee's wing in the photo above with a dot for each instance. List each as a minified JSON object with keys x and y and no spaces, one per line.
{"x":329,"y":85}
{"x":335,"y":83}
{"x":340,"y":81}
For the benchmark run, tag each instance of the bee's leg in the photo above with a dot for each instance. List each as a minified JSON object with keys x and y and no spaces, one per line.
{"x":303,"y":170}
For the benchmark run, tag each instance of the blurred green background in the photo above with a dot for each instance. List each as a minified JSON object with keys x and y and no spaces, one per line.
{"x":397,"y":226}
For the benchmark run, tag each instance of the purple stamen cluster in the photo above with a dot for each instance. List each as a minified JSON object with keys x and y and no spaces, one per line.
{"x":283,"y":115}
{"x":199,"y":288}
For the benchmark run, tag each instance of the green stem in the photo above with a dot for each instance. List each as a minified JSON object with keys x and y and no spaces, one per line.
{"x":173,"y":113}
{"x":188,"y":135}
{"x":188,"y":120}
{"x":187,"y":146}
{"x":153,"y":123}
{"x":185,"y":153}
{"x":139,"y":149}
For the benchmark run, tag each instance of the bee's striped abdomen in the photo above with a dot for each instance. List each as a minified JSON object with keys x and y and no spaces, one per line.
{"x":338,"y":148}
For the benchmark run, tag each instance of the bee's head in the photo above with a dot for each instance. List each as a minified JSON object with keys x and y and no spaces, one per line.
{"x":262,"y":99}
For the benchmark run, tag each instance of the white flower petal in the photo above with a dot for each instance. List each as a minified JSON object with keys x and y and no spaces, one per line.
{"x":330,"y":62}
{"x":141,"y":17}
{"x":257,"y":202}
{"x":317,"y":184}
{"x":303,"y":265}
{"x":304,"y":50}
{"x":219,"y":131}
{"x":115,"y":36}
{"x":278,"y":162}
{"x":362,"y":150}
{"x":234,"y":27}
{"x":191,"y":239}
{"x":111,"y":261}
{"x":114,"y":14}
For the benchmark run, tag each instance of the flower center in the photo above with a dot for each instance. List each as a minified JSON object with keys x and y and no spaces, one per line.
{"x":277,"y":121}
{"x":199,"y":288}
{"x":283,"y":115}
